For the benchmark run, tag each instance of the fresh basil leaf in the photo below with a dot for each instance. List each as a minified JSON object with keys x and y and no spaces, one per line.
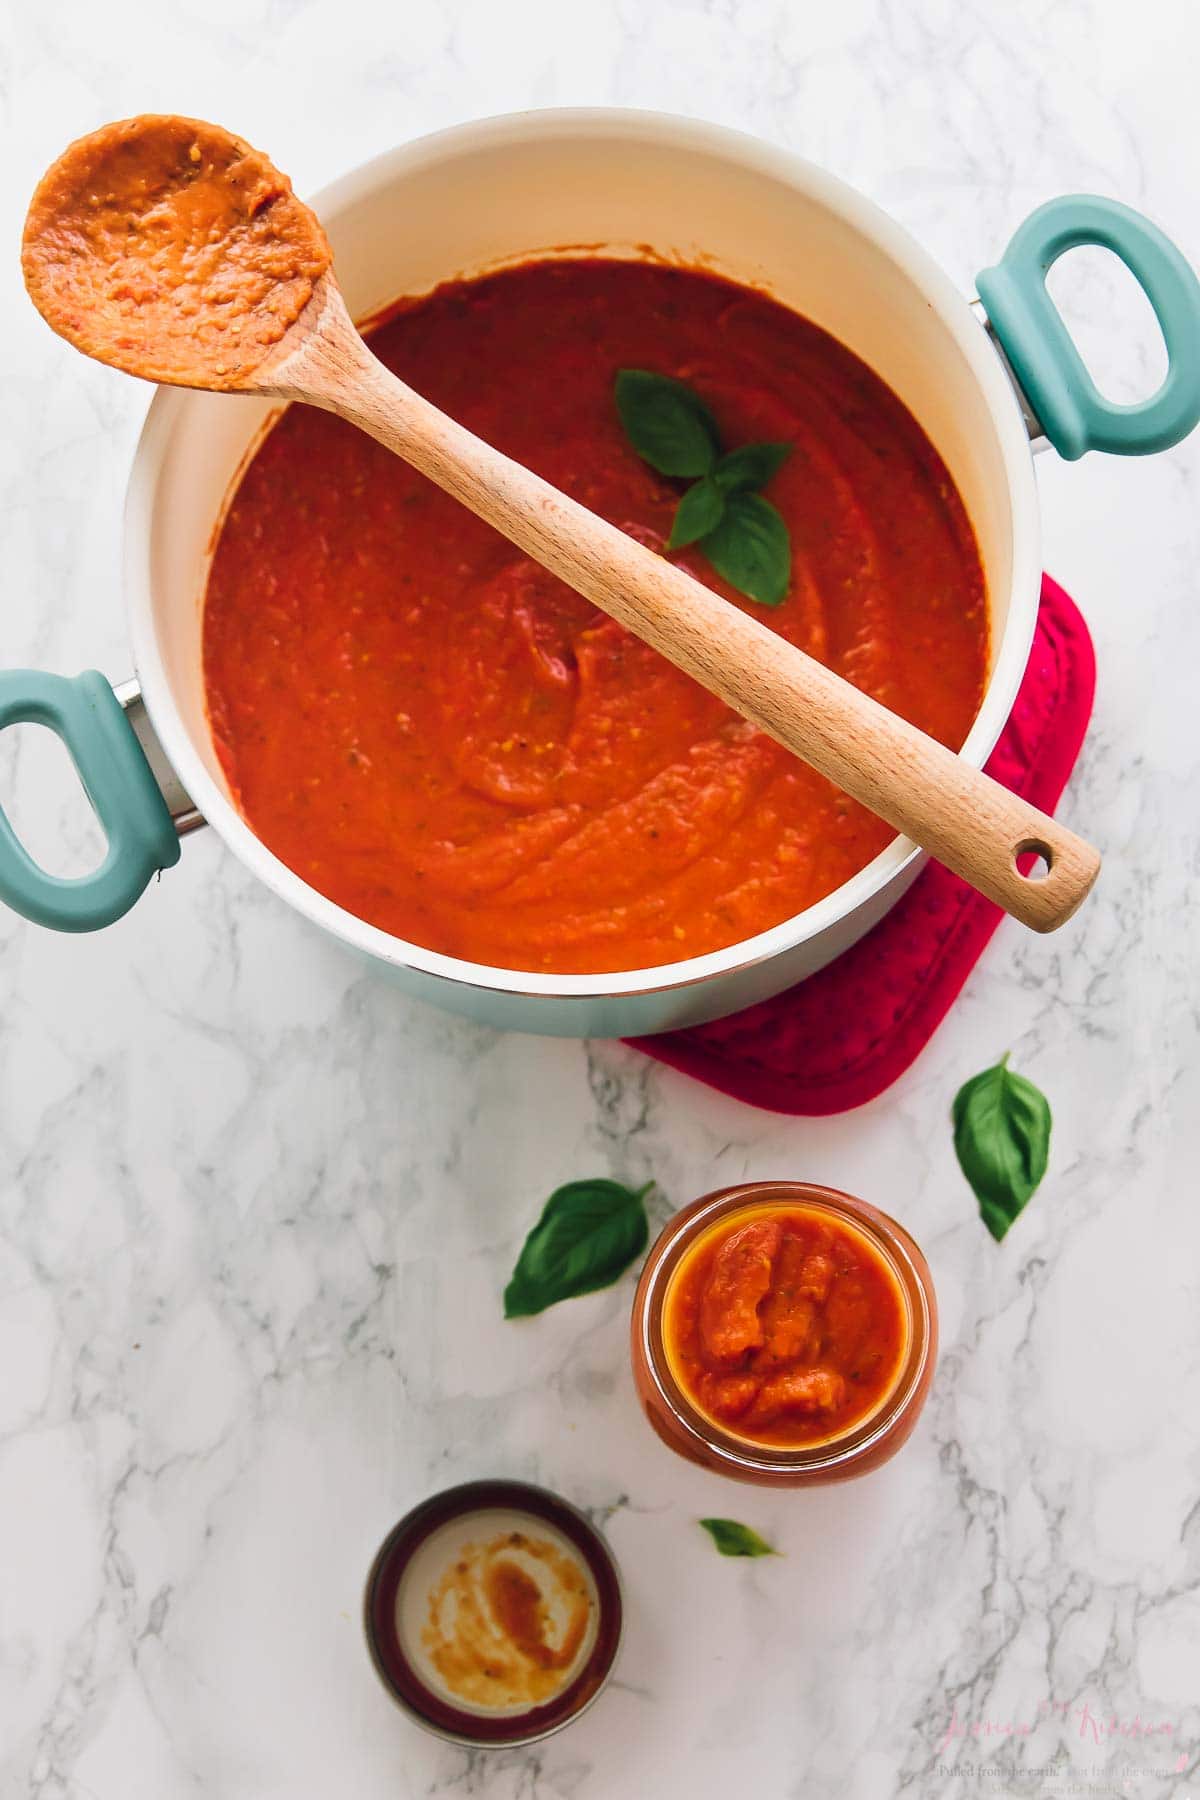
{"x":751,"y":549}
{"x":698,"y":513}
{"x":1002,"y":1141}
{"x":733,"y":1539}
{"x":587,"y":1236}
{"x":668,"y":425}
{"x":750,"y":466}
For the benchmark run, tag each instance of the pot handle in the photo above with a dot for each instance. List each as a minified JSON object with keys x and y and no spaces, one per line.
{"x":88,"y":717}
{"x":1073,"y":413}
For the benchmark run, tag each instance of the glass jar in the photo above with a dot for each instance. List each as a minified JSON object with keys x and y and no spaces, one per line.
{"x":867,"y":1441}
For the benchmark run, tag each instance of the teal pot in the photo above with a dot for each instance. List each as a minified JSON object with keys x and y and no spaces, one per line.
{"x":982,"y":383}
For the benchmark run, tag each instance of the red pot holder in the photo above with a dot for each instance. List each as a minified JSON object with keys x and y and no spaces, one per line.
{"x":844,"y":1035}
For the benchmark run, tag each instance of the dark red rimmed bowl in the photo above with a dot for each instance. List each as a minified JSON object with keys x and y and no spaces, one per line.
{"x":396,"y":1670}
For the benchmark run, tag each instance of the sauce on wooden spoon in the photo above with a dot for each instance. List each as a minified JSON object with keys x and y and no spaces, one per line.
{"x":172,"y":250}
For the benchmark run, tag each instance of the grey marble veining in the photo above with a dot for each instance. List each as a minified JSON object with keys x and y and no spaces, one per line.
{"x":257,"y":1209}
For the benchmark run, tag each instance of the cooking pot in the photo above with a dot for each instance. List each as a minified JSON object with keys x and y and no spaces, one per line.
{"x":981,"y":383}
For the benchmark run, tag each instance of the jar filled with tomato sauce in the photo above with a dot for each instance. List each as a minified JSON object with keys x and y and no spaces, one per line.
{"x":784,"y":1333}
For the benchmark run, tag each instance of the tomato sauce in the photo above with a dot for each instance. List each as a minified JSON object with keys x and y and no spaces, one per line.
{"x":450,"y":743}
{"x":171,"y":248}
{"x":785,"y":1327}
{"x":507,"y":1620}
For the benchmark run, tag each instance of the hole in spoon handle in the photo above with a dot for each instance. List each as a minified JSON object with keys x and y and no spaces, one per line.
{"x":1049,"y":875}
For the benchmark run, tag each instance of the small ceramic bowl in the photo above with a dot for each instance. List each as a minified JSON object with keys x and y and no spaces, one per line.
{"x":464,"y":1580}
{"x":867,"y":1442}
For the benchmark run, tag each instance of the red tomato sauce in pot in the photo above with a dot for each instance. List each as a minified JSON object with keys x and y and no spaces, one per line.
{"x":450,"y":743}
{"x":785,"y":1327}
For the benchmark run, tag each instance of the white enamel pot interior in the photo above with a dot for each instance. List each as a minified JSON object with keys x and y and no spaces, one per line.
{"x":505,"y":189}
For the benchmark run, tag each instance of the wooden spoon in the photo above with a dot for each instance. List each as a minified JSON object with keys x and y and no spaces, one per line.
{"x":172,"y":250}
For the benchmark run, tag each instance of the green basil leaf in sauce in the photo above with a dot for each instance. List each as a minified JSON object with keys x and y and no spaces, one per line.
{"x":743,"y":536}
{"x":698,"y":513}
{"x":751,"y":549}
{"x":750,"y":466}
{"x":668,"y":425}
{"x":733,"y":1539}
{"x":1002,"y":1141}
{"x":587,"y":1236}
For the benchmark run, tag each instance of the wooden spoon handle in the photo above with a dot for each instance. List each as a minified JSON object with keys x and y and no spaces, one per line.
{"x":961,"y":816}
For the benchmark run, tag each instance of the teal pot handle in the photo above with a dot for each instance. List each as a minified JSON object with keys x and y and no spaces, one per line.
{"x":88,"y":717}
{"x":1073,"y":413}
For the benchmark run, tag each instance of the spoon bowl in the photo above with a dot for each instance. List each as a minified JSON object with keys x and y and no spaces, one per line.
{"x":172,"y":250}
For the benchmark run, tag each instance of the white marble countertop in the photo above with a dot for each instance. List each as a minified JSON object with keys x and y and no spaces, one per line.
{"x":257,"y":1209}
